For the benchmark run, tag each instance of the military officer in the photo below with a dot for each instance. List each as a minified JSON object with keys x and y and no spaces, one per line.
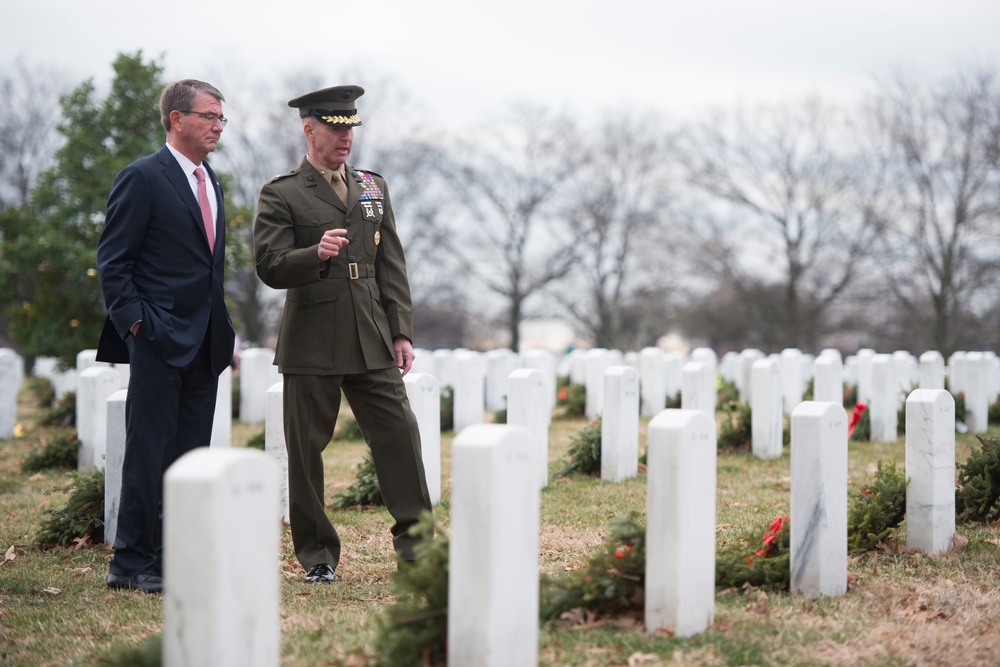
{"x":325,"y":232}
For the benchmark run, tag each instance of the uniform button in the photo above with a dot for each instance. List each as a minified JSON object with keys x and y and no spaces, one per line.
{"x":348,"y":223}
{"x":305,"y":304}
{"x":315,"y":221}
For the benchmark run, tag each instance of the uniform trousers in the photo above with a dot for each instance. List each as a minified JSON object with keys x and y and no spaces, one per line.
{"x":382,"y":410}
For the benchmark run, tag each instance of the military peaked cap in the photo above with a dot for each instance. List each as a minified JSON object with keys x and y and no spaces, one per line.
{"x":332,"y":106}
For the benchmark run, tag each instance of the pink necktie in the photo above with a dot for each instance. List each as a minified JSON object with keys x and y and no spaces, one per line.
{"x":206,"y":209}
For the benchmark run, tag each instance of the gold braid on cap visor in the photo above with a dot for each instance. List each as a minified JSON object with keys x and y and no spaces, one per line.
{"x":341,"y":119}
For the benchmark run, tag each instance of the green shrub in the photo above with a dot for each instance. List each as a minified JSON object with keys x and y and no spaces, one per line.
{"x":979,"y":483}
{"x":875,"y":511}
{"x":348,"y":429}
{"x":728,"y":393}
{"x":43,"y":391}
{"x":447,"y":408}
{"x":414,"y":629}
{"x":149,"y":653}
{"x":736,"y":427}
{"x":62,"y":414}
{"x":258,"y":440}
{"x":365,"y":491}
{"x":585,"y":451}
{"x":57,"y":448}
{"x":674,"y":402}
{"x":81,"y":518}
{"x":993,"y":416}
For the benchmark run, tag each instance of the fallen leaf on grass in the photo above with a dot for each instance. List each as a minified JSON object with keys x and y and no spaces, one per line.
{"x":723,"y":625}
{"x":919,"y":610}
{"x":10,"y":555}
{"x":357,"y":660}
{"x":51,"y":590}
{"x":763,"y":604}
{"x":82,"y":570}
{"x":81,"y":542}
{"x":37,"y":476}
{"x":959,"y":542}
{"x":642,"y":658}
{"x":580,"y":619}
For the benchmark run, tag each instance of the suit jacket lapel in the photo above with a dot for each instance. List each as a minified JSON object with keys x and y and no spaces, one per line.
{"x":180,"y":181}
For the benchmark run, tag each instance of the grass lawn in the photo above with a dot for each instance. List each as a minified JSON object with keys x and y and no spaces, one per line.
{"x":901,"y":608}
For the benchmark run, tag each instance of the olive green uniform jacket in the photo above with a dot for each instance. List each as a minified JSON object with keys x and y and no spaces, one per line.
{"x":341,"y":315}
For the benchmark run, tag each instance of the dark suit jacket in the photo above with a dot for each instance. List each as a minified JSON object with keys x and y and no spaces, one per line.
{"x":342,"y":315}
{"x":155,"y":265}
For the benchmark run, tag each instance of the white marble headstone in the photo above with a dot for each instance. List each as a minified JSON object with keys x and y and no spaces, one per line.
{"x":493,"y":584}
{"x":221,"y":560}
{"x":114,"y":459}
{"x":274,"y":441}
{"x":680,"y":523}
{"x":526,"y":407}
{"x":930,"y":467}
{"x":819,"y":500}
{"x":766,"y":406}
{"x":620,"y":424}
{"x":424,"y":395}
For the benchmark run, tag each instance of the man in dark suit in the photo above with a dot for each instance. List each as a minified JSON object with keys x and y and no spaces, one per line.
{"x":160,"y":260}
{"x":325,"y":232}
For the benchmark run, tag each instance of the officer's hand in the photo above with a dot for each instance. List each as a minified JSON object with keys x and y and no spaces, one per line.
{"x":404,"y":353}
{"x":331,"y":243}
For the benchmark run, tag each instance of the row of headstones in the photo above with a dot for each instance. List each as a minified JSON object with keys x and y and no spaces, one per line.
{"x":222,"y":507}
{"x":526,"y":390}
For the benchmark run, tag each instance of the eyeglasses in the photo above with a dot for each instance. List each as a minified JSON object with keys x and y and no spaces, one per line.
{"x":208,"y":116}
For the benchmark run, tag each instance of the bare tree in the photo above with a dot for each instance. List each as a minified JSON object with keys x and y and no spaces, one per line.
{"x":28,"y":137}
{"x":941,"y":149}
{"x":783,"y":228}
{"x":621,"y":282}
{"x":505,"y":192}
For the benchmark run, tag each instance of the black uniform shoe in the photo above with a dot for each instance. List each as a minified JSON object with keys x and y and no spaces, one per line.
{"x":320,"y":574}
{"x":147,"y":583}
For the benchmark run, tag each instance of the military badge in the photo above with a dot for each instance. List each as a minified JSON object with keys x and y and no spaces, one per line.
{"x":368,"y":209}
{"x":378,"y":237}
{"x":371,"y":190}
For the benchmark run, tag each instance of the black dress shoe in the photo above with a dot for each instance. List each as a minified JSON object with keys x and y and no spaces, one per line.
{"x":147,"y":583}
{"x":320,"y":574}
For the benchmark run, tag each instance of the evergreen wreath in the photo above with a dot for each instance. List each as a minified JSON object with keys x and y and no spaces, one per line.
{"x":414,"y":629}
{"x":365,"y":491}
{"x":571,"y":399}
{"x":738,"y":564}
{"x":57,"y":448}
{"x":736,"y":428}
{"x":612,"y":582}
{"x":874,"y":512}
{"x":584,"y":451}
{"x":81,"y":519}
{"x":979,"y":483}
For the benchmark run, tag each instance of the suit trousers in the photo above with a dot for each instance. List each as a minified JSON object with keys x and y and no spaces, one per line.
{"x":382,"y":410}
{"x":168,"y":412}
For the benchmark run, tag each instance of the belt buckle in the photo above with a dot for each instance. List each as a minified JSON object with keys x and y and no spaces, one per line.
{"x":352,"y":270}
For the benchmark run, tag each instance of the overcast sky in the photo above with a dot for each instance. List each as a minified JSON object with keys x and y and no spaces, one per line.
{"x":475,"y":60}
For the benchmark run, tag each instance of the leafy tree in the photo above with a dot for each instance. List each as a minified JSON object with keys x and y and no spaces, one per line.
{"x":48,"y":248}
